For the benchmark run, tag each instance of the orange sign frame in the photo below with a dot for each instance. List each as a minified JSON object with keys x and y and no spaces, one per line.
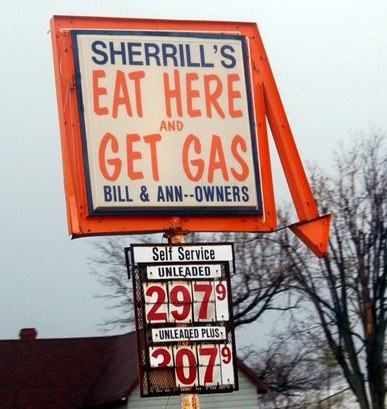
{"x":267,"y":108}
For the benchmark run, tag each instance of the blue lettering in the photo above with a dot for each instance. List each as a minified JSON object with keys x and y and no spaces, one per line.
{"x":95,"y":48}
{"x":181,"y":53}
{"x":198,"y":194}
{"x":152,"y":50}
{"x":169,"y":52}
{"x":203,"y":57}
{"x":190,"y":63}
{"x":221,"y":194}
{"x":224,"y":51}
{"x":120,"y":52}
{"x":116,"y":194}
{"x":107,"y":193}
{"x":132,"y":52}
{"x":209,"y":193}
{"x":164,"y":54}
{"x":235,"y":192}
{"x":170,"y":194}
{"x":245,"y":193}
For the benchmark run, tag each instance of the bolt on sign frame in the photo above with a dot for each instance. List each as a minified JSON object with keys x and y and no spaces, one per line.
{"x":163,"y":129}
{"x":184,"y":322}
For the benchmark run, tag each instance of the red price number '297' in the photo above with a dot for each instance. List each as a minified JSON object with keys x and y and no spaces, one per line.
{"x":202,"y":366}
{"x":181,"y":298}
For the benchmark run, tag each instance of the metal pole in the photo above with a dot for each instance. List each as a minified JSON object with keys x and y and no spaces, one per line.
{"x":188,"y":401}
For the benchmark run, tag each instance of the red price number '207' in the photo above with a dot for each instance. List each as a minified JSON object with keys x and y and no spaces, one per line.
{"x":180,"y":300}
{"x":187,"y":362}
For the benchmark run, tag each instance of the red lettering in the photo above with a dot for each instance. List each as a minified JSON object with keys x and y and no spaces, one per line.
{"x":109,"y":140}
{"x":217,"y":160}
{"x":98,"y":92}
{"x":232,"y":95}
{"x":212,"y":96}
{"x":185,"y":361}
{"x":121,"y":95}
{"x":164,"y":354}
{"x":191,"y":94}
{"x":111,"y":166}
{"x":152,"y":140}
{"x":193,"y":142}
{"x":180,"y":298}
{"x":239,"y":143}
{"x":212,"y":353}
{"x":133,"y":155}
{"x":196,"y":161}
{"x":206,"y":290}
{"x":136,"y":76}
{"x":226,"y":354}
{"x":207,"y":91}
{"x":170,"y":94}
{"x":154,"y":314}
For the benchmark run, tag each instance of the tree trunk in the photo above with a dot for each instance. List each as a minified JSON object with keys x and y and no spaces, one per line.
{"x":376,"y":372}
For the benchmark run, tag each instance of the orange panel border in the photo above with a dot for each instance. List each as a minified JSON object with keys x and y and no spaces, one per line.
{"x":80,"y":223}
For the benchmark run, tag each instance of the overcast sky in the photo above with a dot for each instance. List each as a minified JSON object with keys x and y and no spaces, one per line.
{"x":329,"y":59}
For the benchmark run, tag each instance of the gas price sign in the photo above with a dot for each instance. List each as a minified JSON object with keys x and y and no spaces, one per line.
{"x":184,"y":318}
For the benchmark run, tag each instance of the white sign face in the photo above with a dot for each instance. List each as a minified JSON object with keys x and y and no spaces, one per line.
{"x":181,"y":254}
{"x":181,"y":334}
{"x":183,"y":271}
{"x":167,"y":122}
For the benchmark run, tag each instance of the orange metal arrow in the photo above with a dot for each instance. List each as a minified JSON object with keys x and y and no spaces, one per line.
{"x":314,"y":233}
{"x":313,"y":230}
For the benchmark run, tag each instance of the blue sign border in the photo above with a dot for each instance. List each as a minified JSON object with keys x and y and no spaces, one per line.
{"x":173,"y":209}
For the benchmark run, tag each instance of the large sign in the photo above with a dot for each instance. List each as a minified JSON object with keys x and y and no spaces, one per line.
{"x":184,"y":318}
{"x":162,"y":126}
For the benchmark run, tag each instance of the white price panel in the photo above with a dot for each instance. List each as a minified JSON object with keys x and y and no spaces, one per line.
{"x":180,"y":302}
{"x":204,"y":302}
{"x":211,"y":301}
{"x":160,"y":357}
{"x":209,"y":365}
{"x":186,"y":366}
{"x":227,"y":364}
{"x":156,"y":302}
{"x":221,"y":301}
